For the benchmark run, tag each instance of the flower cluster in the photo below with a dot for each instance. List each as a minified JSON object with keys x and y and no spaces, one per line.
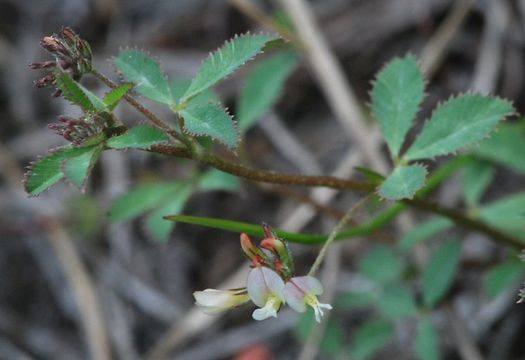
{"x":78,"y":131}
{"x":270,"y":284}
{"x":72,"y":54}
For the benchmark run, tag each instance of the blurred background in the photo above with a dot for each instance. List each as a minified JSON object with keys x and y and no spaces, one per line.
{"x":75,"y":285}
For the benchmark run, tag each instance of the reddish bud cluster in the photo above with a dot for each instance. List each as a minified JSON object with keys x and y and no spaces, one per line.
{"x":72,"y":54}
{"x":78,"y":131}
{"x":272,"y":253}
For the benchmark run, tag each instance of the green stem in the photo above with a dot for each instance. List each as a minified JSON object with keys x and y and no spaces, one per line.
{"x":337,"y":229}
{"x":273,"y":177}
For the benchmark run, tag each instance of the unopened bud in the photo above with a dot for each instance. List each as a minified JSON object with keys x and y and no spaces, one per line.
{"x":252,"y":252}
{"x":267,"y":230}
{"x":50,"y":43}
{"x":280,"y":249}
{"x":45,"y":81}
{"x":69,"y":34}
{"x":42,"y":64}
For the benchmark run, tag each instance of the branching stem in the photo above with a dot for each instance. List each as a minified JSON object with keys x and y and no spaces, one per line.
{"x":273,"y":177}
{"x":154,"y":119}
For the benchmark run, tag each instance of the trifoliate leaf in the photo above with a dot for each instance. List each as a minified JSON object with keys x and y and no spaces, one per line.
{"x":138,"y":137}
{"x":426,"y":344}
{"x":423,"y":232}
{"x":440,"y":271}
{"x":225,"y":60}
{"x":114,"y":96}
{"x":146,"y":73}
{"x":47,"y":171}
{"x":263,"y":87}
{"x":140,"y":199}
{"x":381,"y":264}
{"x":77,"y":94}
{"x":179,"y":87}
{"x":506,"y":214}
{"x":218,"y":180}
{"x":503,"y":276}
{"x":396,"y":97}
{"x":213,"y":121}
{"x":458,"y":123}
{"x":477,"y":176}
{"x":77,"y":168}
{"x":403,"y":182}
{"x":172,"y":204}
{"x":370,"y":337}
{"x":505,"y":146}
{"x":396,"y":302}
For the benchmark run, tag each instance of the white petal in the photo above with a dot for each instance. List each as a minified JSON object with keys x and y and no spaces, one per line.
{"x":263,"y":282}
{"x":294,"y":297}
{"x":318,"y":314}
{"x":325,"y":306}
{"x":308,"y":284}
{"x":212,"y":301}
{"x":212,"y":297}
{"x":264,"y":313}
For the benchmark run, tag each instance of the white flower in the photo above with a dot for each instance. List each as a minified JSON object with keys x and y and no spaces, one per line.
{"x":265,"y":288}
{"x":303,"y":290}
{"x":213,"y":301}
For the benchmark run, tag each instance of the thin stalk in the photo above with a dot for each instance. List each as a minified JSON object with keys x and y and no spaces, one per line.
{"x":337,"y":229}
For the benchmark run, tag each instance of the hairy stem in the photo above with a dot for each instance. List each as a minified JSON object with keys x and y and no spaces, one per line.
{"x":273,"y":177}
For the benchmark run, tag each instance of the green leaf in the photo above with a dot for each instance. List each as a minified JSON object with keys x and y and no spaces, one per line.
{"x":77,"y":94}
{"x":396,"y":97}
{"x":225,"y":60}
{"x":370,"y":337}
{"x":138,"y":137}
{"x":477,"y":176}
{"x":423,"y":232}
{"x":44,"y":173}
{"x":381,"y":264}
{"x":213,"y":121}
{"x":47,"y":171}
{"x":396,"y":302}
{"x":242,"y":227}
{"x":458,"y":123}
{"x":146,"y":74}
{"x":354,"y":299}
{"x":333,"y":337}
{"x":173,"y":205}
{"x":440,"y":271}
{"x":263,"y":87}
{"x":506,"y":214}
{"x":426,"y":344}
{"x":140,"y":199}
{"x":505,"y":147}
{"x":255,"y":229}
{"x":503,"y":276}
{"x":77,"y":168}
{"x":214,"y":179}
{"x":179,"y":87}
{"x":113,"y":97}
{"x":403,"y":182}
{"x":370,"y":175}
